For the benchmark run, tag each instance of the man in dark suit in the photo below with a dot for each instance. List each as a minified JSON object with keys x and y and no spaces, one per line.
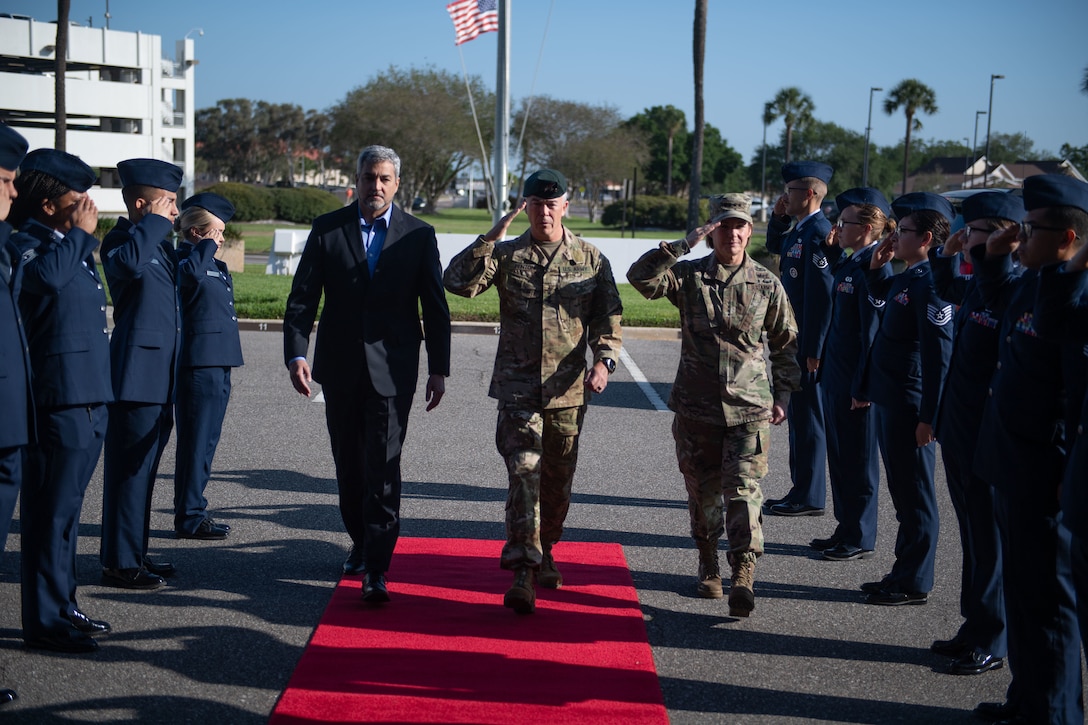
{"x":376,"y":265}
{"x":141,"y":267}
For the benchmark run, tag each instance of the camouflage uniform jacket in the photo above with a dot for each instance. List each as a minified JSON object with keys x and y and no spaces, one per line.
{"x":722,"y":377}
{"x":548,"y":312}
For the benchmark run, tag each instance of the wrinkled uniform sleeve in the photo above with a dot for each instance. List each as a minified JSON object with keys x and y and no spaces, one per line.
{"x":604,"y":334}
{"x":935,"y":330}
{"x":652,"y":275}
{"x":49,"y":272}
{"x":781,"y":330}
{"x":472,"y":270}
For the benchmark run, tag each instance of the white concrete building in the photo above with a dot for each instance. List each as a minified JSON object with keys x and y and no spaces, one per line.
{"x":124,"y":99}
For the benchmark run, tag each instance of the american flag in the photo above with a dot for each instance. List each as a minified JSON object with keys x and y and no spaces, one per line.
{"x":472,"y":17}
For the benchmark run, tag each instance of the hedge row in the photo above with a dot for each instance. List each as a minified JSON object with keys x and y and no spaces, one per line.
{"x":659,"y":212}
{"x":258,"y":203}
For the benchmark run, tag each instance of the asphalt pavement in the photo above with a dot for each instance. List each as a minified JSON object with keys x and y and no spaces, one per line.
{"x":218,"y":645}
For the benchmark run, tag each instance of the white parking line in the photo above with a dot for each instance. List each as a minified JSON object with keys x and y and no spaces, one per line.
{"x":643,"y":383}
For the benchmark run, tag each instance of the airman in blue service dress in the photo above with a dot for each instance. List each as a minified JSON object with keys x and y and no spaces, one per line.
{"x":851,"y":428}
{"x":16,"y":398}
{"x":1023,"y":431}
{"x":980,"y":644}
{"x":210,"y":347}
{"x":806,"y":274}
{"x":141,"y":268}
{"x":909,"y":361}
{"x":1061,"y":313}
{"x":63,"y":305}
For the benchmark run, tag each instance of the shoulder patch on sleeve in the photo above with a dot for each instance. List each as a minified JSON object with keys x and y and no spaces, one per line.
{"x":29,"y":255}
{"x":819,"y":260}
{"x":877,"y":303}
{"x":939,"y":316}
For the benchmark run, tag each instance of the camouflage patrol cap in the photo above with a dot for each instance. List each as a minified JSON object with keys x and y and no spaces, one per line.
{"x":546,"y":184}
{"x":731,"y":206}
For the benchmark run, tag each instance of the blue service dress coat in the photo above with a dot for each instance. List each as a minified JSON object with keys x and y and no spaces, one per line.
{"x":851,"y":434}
{"x":806,"y":272}
{"x":1023,"y":435}
{"x":141,"y":269}
{"x":210,"y":347}
{"x":63,"y":304}
{"x":367,"y":356}
{"x":16,"y":398}
{"x":908,"y":364}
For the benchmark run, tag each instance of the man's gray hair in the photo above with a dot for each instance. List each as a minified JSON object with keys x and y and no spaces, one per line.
{"x":375,"y":155}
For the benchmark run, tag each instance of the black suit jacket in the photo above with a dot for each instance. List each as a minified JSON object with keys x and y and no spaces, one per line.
{"x":369,"y":323}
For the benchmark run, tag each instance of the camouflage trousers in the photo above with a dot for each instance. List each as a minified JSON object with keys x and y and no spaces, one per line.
{"x":540,"y":448}
{"x":724,"y":463}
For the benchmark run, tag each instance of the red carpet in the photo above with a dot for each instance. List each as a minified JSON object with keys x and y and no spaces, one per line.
{"x":445,"y":650}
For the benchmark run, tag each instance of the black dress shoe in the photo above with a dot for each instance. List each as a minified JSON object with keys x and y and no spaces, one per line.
{"x":7,"y":696}
{"x":874,"y":587}
{"x":823,"y":544}
{"x":132,"y":579}
{"x":975,"y":663}
{"x":374,"y":590}
{"x":208,"y":529}
{"x":954,"y":648}
{"x":995,"y":710}
{"x":217,"y":524}
{"x":73,"y":644}
{"x":895,"y":599}
{"x":356,"y":561}
{"x":846,"y":552}
{"x":768,"y":502}
{"x":86,"y":625}
{"x":794,"y":509}
{"x":159,"y":568}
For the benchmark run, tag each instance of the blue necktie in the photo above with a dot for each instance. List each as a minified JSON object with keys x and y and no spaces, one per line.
{"x":377,"y":240}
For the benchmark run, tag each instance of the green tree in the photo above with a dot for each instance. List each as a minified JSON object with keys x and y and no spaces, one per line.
{"x":913,"y":97}
{"x":794,"y":107}
{"x":423,"y":114}
{"x":723,"y":166}
{"x":281,"y":133}
{"x":664,"y":131}
{"x":226,"y":139}
{"x":698,"y":140}
{"x":1076,"y":156}
{"x":1006,"y":148}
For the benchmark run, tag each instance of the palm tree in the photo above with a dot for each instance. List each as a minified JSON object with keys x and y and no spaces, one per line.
{"x":698,"y":54}
{"x":794,"y":107}
{"x":913,"y":97}
{"x":60,"y":72}
{"x":674,"y":124}
{"x":1084,"y":83}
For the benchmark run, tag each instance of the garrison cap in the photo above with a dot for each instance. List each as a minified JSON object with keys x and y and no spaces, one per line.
{"x":862,"y":195}
{"x":804,"y":169}
{"x":12,"y":147}
{"x":62,"y":166}
{"x":149,"y":172}
{"x":731,"y":206}
{"x":1055,"y":190}
{"x":993,"y":205}
{"x":213,"y":203}
{"x":546,"y":184}
{"x":907,"y":204}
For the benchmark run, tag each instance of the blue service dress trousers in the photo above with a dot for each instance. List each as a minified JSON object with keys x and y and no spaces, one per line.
{"x":855,"y":468}
{"x":202,"y":397}
{"x":137,"y":435}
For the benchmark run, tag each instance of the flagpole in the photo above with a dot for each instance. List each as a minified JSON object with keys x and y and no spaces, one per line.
{"x":502,"y":111}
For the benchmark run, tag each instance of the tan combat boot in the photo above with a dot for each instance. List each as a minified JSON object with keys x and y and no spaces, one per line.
{"x":549,"y":575}
{"x":521,"y":597}
{"x":742,"y":600}
{"x":709,"y":585}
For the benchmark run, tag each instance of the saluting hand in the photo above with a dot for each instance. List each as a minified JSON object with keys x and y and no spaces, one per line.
{"x":1003,"y":241}
{"x":883,"y":253}
{"x":499,"y":230}
{"x":954,"y":244}
{"x":832,"y":236}
{"x":698,"y":233}
{"x":85,"y":214}
{"x":779,"y":206}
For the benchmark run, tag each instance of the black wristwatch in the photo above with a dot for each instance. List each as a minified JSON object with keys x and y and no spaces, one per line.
{"x":609,"y":364}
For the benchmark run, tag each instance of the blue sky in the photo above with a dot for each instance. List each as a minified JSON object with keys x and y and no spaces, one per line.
{"x":634,"y":54}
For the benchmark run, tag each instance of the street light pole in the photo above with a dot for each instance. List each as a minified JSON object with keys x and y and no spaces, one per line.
{"x":763,"y":177}
{"x":868,"y":129}
{"x":989,"y":121}
{"x":974,"y":148}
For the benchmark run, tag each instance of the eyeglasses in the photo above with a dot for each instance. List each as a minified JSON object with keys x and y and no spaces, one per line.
{"x":842,"y":223}
{"x":967,"y":231}
{"x":1027,"y":228}
{"x":797,"y":188}
{"x":903,"y":230}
